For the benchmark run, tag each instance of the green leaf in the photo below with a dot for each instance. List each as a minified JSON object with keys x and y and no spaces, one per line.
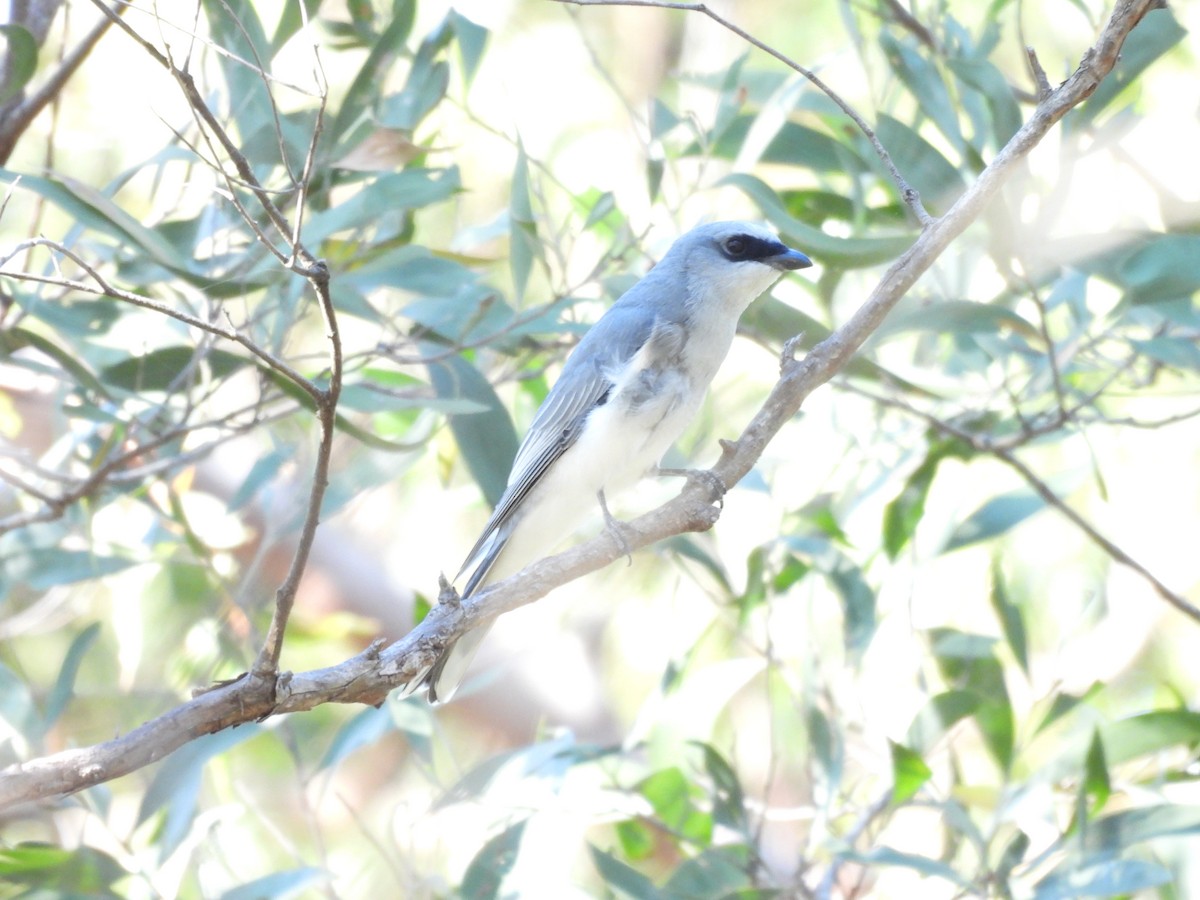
{"x":921,"y":164}
{"x":981,"y":75}
{"x":279,"y":885}
{"x":793,"y":145}
{"x":1157,"y":33}
{"x":858,"y":603}
{"x":954,"y":317}
{"x":413,"y":188}
{"x":64,"y":686}
{"x":826,"y":745}
{"x":909,"y":773}
{"x":1175,"y":352}
{"x":17,"y":708}
{"x":1011,"y":620}
{"x":487,"y":440}
{"x":45,"y":567}
{"x":1151,"y":732}
{"x":1116,"y":833}
{"x":846,"y":253}
{"x":938,"y":716}
{"x":495,"y":859}
{"x":994,"y":518}
{"x":13,"y":339}
{"x":886,"y":856}
{"x":175,"y":787}
{"x":1109,"y":878}
{"x":91,"y":209}
{"x":1161,"y":268}
{"x":364,"y":729}
{"x":902,"y":515}
{"x":59,"y":873}
{"x":373,"y":72}
{"x":622,"y":877}
{"x":637,"y":839}
{"x":1095,"y":775}
{"x":670,"y":794}
{"x":524,"y":246}
{"x":20,"y":56}
{"x":729,"y":801}
{"x":472,"y":39}
{"x":922,"y":78}
{"x":715,"y":874}
{"x":162,"y":369}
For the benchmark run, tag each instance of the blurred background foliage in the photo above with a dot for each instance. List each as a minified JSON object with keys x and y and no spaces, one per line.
{"x":893,"y":669}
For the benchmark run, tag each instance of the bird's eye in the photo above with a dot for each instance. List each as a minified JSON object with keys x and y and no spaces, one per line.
{"x":735,"y":246}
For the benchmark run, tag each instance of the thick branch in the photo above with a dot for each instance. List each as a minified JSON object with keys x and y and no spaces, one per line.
{"x":368,"y":677}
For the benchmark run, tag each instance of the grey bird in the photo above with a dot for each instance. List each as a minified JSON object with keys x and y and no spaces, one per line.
{"x":625,"y":395}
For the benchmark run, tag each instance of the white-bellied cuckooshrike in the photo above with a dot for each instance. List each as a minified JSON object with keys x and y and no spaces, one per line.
{"x":625,"y":395}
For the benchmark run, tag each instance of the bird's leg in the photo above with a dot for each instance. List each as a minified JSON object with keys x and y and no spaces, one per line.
{"x":614,"y":527}
{"x":716,"y":487}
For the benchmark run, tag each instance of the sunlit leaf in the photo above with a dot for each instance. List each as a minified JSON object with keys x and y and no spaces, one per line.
{"x":1095,"y":783}
{"x":909,"y":773}
{"x":58,"y":872}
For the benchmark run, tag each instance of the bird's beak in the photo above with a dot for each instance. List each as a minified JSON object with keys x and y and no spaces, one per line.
{"x":789,"y":260}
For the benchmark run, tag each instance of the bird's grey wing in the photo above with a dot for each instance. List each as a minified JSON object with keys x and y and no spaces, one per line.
{"x":584,"y":384}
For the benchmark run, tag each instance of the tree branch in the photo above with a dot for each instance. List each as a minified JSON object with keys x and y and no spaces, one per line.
{"x":368,"y":677}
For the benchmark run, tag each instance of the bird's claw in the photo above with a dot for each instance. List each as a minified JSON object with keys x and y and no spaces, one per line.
{"x":614,"y":527}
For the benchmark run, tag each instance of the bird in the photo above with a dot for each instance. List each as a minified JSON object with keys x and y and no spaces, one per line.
{"x":625,"y":394}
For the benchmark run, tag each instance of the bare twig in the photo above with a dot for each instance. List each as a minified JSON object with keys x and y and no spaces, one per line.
{"x":267,"y":662}
{"x":908,"y":193}
{"x":368,"y":677}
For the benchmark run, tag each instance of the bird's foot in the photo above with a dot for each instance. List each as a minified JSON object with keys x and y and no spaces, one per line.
{"x":615,"y":527}
{"x":717,"y":488}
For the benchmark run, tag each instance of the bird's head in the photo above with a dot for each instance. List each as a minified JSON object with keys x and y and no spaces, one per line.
{"x":731,"y":263}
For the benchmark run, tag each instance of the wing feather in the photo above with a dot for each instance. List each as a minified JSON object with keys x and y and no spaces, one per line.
{"x":584,"y":384}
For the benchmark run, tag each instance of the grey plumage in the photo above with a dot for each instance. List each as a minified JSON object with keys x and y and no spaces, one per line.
{"x":625,"y":394}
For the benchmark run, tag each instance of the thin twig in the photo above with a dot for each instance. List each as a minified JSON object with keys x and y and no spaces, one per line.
{"x":267,"y":663}
{"x":908,"y":193}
